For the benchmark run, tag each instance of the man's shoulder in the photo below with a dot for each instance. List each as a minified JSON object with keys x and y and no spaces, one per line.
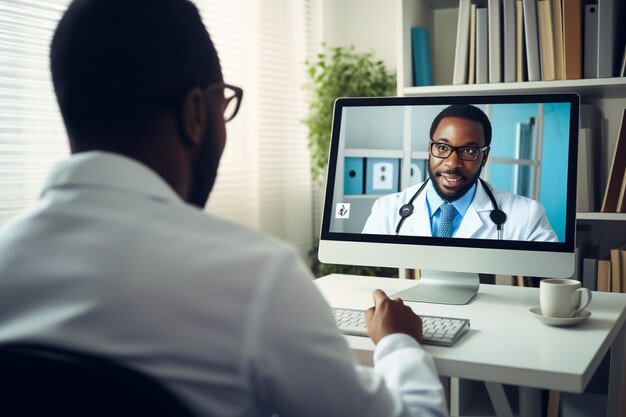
{"x":200,"y":225}
{"x":509,"y":194}
{"x":513,"y":199}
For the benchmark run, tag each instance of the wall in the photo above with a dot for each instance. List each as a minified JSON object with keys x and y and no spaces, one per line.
{"x":369,"y":25}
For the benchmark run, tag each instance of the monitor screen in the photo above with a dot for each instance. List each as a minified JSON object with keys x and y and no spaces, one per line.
{"x":453,"y":185}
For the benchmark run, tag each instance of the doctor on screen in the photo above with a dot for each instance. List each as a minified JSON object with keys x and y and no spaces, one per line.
{"x":455,"y":201}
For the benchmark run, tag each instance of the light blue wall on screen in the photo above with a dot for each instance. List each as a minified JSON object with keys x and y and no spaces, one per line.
{"x":553,"y":181}
{"x":421,"y":120}
{"x":374,"y":127}
{"x":504,"y":118}
{"x":553,"y":193}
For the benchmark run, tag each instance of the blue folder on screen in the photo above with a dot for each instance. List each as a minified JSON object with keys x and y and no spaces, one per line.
{"x":353,"y":178}
{"x":382,"y":175}
{"x":418,"y":171}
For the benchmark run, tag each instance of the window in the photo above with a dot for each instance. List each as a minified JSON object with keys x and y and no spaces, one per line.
{"x":32,"y":136}
{"x":263,"y":180}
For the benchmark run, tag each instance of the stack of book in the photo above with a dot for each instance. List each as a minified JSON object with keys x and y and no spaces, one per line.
{"x":614,"y":200}
{"x":590,"y":148}
{"x":535,"y":40}
{"x":606,"y":273}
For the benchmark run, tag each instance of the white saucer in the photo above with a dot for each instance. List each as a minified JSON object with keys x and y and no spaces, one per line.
{"x":560,"y":321}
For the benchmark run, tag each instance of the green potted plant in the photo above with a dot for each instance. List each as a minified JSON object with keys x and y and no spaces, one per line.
{"x":340,"y":72}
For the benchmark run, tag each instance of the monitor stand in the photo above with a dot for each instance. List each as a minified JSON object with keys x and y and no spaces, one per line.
{"x":442,"y":287}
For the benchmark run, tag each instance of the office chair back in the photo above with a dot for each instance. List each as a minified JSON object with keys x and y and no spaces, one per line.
{"x":52,"y":382}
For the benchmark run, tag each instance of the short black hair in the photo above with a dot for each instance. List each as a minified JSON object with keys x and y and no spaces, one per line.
{"x":464,"y":111}
{"x":117,"y":64}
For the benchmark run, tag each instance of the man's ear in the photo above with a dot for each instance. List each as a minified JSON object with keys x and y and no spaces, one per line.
{"x":193,"y":116}
{"x":485,"y":157}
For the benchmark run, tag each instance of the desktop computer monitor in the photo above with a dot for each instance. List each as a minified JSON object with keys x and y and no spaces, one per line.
{"x":507,"y":164}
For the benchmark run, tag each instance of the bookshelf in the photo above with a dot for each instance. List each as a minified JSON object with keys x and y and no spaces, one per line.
{"x":440,"y":18}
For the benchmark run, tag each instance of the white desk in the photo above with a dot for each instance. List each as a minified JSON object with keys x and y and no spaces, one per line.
{"x":505,"y":343}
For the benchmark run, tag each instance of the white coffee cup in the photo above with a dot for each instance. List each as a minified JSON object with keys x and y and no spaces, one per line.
{"x":562,"y":297}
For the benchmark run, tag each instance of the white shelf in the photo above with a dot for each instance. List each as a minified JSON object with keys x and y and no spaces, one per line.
{"x":373,"y":153}
{"x":440,"y":18}
{"x":602,"y":216}
{"x":587,"y":88}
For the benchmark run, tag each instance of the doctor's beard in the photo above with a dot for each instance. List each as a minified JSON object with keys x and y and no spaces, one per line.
{"x":461,"y":191}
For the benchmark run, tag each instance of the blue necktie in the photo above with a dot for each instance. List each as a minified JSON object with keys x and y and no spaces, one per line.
{"x":447,"y":214}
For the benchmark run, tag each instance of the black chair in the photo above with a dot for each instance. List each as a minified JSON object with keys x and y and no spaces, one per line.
{"x":41,"y":381}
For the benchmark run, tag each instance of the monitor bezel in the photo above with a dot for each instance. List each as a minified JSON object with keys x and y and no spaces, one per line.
{"x":402,"y":240}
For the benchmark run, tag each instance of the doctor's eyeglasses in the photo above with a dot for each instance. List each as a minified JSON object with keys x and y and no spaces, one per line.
{"x":465,"y":153}
{"x":232,"y":95}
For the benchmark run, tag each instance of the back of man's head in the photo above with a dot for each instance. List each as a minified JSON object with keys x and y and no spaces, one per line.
{"x":119,"y":64}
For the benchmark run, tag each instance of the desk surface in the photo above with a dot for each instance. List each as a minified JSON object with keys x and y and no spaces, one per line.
{"x":505,"y":343}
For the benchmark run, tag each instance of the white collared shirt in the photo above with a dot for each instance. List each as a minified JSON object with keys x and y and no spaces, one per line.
{"x":525,"y":218}
{"x":111,"y":261}
{"x":434,"y":203}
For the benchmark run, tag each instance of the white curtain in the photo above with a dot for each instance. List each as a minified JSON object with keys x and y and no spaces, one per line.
{"x":263,"y":180}
{"x":32,"y":136}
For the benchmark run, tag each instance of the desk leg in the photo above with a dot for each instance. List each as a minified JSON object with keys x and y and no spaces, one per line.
{"x":498,"y":399}
{"x":529,"y":402}
{"x":616,"y":375}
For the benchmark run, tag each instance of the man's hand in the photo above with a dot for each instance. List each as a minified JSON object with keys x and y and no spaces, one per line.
{"x":391,"y":316}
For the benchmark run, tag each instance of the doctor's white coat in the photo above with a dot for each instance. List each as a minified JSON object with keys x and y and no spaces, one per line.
{"x":525,"y":218}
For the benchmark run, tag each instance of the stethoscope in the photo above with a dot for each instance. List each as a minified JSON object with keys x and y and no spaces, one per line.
{"x":497,"y":216}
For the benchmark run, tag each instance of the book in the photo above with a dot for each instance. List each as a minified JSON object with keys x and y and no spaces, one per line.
{"x":590,"y":43}
{"x":604,"y":275}
{"x":607,"y":13}
{"x":471,"y":76}
{"x":531,"y":38}
{"x":546,"y":39}
{"x":622,"y":265}
{"x":616,"y":173}
{"x":508,"y":29}
{"x":482,"y":46}
{"x":462,"y":44}
{"x":572,"y":38}
{"x":621,"y":201}
{"x":616,"y":270}
{"x":617,"y":257}
{"x":557,"y":29}
{"x":520,"y":46}
{"x":422,"y":64}
{"x":495,"y":41}
{"x":584,"y":191}
{"x":591,"y":120}
{"x":590,"y":273}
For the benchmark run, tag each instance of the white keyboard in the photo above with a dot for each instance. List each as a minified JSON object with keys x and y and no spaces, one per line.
{"x":443,"y":331}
